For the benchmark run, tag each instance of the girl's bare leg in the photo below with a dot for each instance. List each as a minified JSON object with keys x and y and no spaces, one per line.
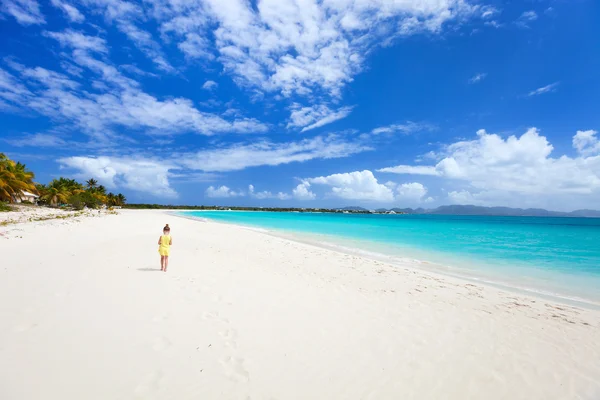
{"x":162,"y":263}
{"x":166,"y":263}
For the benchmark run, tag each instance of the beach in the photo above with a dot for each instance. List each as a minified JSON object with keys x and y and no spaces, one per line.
{"x":86,"y":313}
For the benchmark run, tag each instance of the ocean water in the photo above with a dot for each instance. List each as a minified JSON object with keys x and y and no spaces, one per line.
{"x":552,"y":256}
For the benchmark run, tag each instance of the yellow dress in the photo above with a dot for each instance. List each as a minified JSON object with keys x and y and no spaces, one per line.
{"x":165,"y":245}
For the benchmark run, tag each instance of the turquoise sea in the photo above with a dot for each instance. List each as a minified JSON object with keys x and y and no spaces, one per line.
{"x":558,"y":257}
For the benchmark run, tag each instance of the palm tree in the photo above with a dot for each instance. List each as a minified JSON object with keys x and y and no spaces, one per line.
{"x":59,"y":191}
{"x":14,"y":179}
{"x":71,"y":184}
{"x":91,"y":183}
{"x":55,"y":195}
{"x":121,"y":199}
{"x":111,"y":199}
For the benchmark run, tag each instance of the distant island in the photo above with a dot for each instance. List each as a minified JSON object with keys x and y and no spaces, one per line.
{"x":442,"y":210}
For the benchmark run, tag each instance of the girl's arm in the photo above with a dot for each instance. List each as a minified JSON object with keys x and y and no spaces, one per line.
{"x":159,"y":239}
{"x":171,"y":242}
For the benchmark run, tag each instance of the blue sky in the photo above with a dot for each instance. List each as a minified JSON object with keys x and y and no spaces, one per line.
{"x":379,"y":103}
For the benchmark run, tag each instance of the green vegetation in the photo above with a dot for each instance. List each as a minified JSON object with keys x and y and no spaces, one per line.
{"x":4,"y":207}
{"x":15,"y":179}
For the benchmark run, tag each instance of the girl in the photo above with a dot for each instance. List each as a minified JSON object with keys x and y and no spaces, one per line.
{"x":164,"y":245}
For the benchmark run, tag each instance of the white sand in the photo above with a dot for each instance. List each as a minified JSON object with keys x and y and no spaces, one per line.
{"x":85,"y":314}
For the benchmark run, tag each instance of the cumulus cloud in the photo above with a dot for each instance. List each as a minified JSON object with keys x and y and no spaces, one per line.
{"x":363,"y":186}
{"x":303,"y":192}
{"x":358,"y":185}
{"x":26,"y":12}
{"x":221,"y":192}
{"x":315,"y":116}
{"x":517,"y":170}
{"x":544,"y":89}
{"x":586,"y":143}
{"x":265,"y":194}
{"x":412,"y":192}
{"x":139,"y":174}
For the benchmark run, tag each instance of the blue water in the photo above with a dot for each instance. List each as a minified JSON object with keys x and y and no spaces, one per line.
{"x":559,"y":256}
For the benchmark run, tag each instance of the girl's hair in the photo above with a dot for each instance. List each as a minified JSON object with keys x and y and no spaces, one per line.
{"x":166,"y":228}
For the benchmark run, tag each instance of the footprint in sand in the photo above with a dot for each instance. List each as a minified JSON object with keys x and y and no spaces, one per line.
{"x":230,"y":337}
{"x":214,"y":316}
{"x":234,"y":369}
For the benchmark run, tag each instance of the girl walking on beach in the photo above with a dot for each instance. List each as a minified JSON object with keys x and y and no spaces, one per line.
{"x":164,"y":246}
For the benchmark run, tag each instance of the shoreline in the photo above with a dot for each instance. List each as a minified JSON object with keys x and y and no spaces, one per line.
{"x":241,"y":314}
{"x":403,"y":262}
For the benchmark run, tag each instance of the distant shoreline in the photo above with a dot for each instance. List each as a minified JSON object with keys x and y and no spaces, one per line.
{"x":458,"y":210}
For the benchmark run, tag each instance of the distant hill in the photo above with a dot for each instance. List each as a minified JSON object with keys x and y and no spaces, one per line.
{"x":487,"y":211}
{"x":585,"y":213}
{"x":353,"y":208}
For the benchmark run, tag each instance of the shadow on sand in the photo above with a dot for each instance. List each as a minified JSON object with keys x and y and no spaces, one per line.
{"x":149,"y":269}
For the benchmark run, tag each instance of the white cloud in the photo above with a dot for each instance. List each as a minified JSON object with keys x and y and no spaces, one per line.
{"x":196,"y":47}
{"x":26,"y":12}
{"x":210,"y":85}
{"x":300,"y":47}
{"x":411,"y":192}
{"x":78,"y":40}
{"x":122,"y":103}
{"x":132,"y":69}
{"x":37,"y":140}
{"x":545,"y":89}
{"x":139,"y":174}
{"x":462,"y":197}
{"x":303,"y":192}
{"x":488,"y":12}
{"x":358,"y":185}
{"x":478,"y":78}
{"x":265,"y":194}
{"x":411,"y":170}
{"x":71,"y":12}
{"x":406,"y":128}
{"x":241,"y":156}
{"x":126,"y":16}
{"x":525,"y":18}
{"x":518,"y":171}
{"x":221,"y":192}
{"x":586,"y":143}
{"x":315,"y":116}
{"x":363,"y":186}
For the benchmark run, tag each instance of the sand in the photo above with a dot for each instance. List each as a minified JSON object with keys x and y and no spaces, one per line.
{"x":85,"y":313}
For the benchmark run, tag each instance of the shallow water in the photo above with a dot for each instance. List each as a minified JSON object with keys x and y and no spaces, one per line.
{"x":558,"y":256}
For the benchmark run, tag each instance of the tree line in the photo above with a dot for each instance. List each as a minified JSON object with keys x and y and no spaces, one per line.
{"x":15,"y":179}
